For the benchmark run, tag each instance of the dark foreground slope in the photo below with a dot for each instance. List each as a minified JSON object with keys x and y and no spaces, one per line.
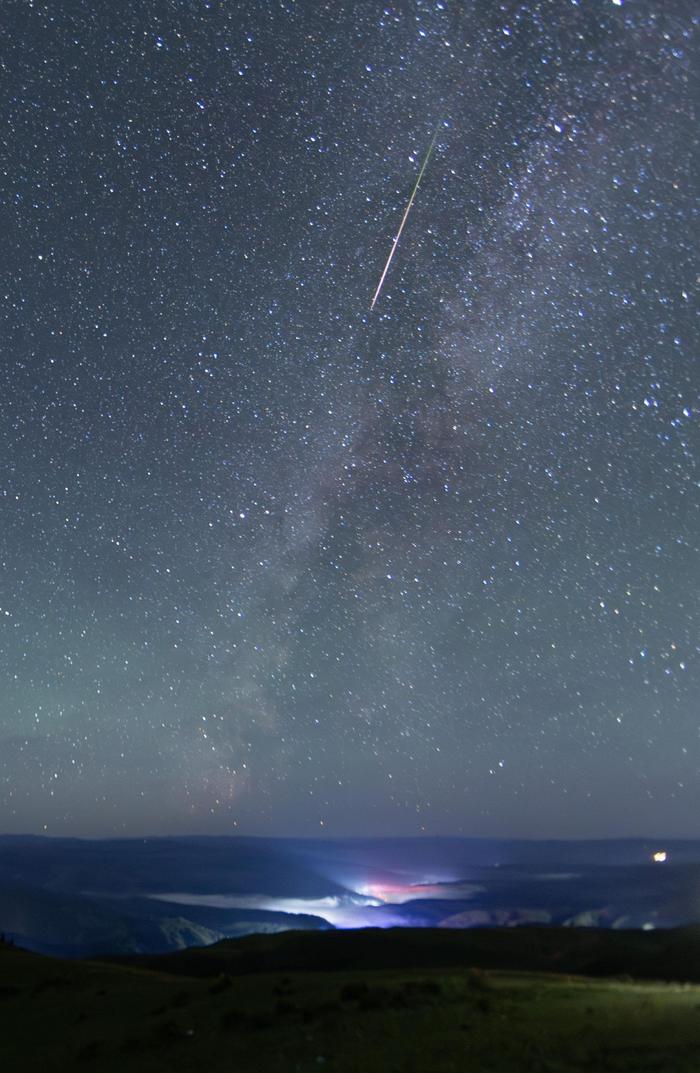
{"x":387,"y":1009}
{"x":657,"y":955}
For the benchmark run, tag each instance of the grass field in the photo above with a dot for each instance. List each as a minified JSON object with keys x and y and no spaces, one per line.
{"x":62,"y":1015}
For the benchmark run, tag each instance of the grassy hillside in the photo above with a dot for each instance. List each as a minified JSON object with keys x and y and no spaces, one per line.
{"x":59,"y":1015}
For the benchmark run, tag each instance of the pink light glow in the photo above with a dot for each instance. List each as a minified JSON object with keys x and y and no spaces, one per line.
{"x":400,"y":893}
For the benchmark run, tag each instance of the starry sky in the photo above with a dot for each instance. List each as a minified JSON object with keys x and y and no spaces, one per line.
{"x":274,"y":564}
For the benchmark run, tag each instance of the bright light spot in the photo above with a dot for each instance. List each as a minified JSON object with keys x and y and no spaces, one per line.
{"x":660,"y":856}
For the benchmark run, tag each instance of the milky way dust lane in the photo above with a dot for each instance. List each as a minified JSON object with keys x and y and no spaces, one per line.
{"x":404,"y":218}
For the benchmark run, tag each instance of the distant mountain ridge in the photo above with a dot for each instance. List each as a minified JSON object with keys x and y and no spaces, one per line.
{"x":70,"y":897}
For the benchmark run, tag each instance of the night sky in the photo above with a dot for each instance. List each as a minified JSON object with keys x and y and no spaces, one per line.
{"x":274,"y":564}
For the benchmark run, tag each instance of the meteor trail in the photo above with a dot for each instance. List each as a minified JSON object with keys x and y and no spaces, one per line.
{"x":404,"y":218}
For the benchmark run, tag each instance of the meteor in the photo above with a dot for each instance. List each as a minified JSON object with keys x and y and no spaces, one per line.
{"x":404,"y":218}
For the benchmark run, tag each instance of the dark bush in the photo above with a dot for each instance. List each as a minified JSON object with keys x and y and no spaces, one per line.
{"x":89,"y":1051}
{"x":169,"y":1031}
{"x":237,"y":1021}
{"x":312,"y":1013}
{"x":478,"y":980}
{"x":354,"y":992}
{"x":222,"y":983}
{"x":423,"y":987}
{"x":52,"y":983}
{"x":381,"y":998}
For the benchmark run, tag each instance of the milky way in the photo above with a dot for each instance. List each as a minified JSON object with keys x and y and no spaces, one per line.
{"x":276,"y":565}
